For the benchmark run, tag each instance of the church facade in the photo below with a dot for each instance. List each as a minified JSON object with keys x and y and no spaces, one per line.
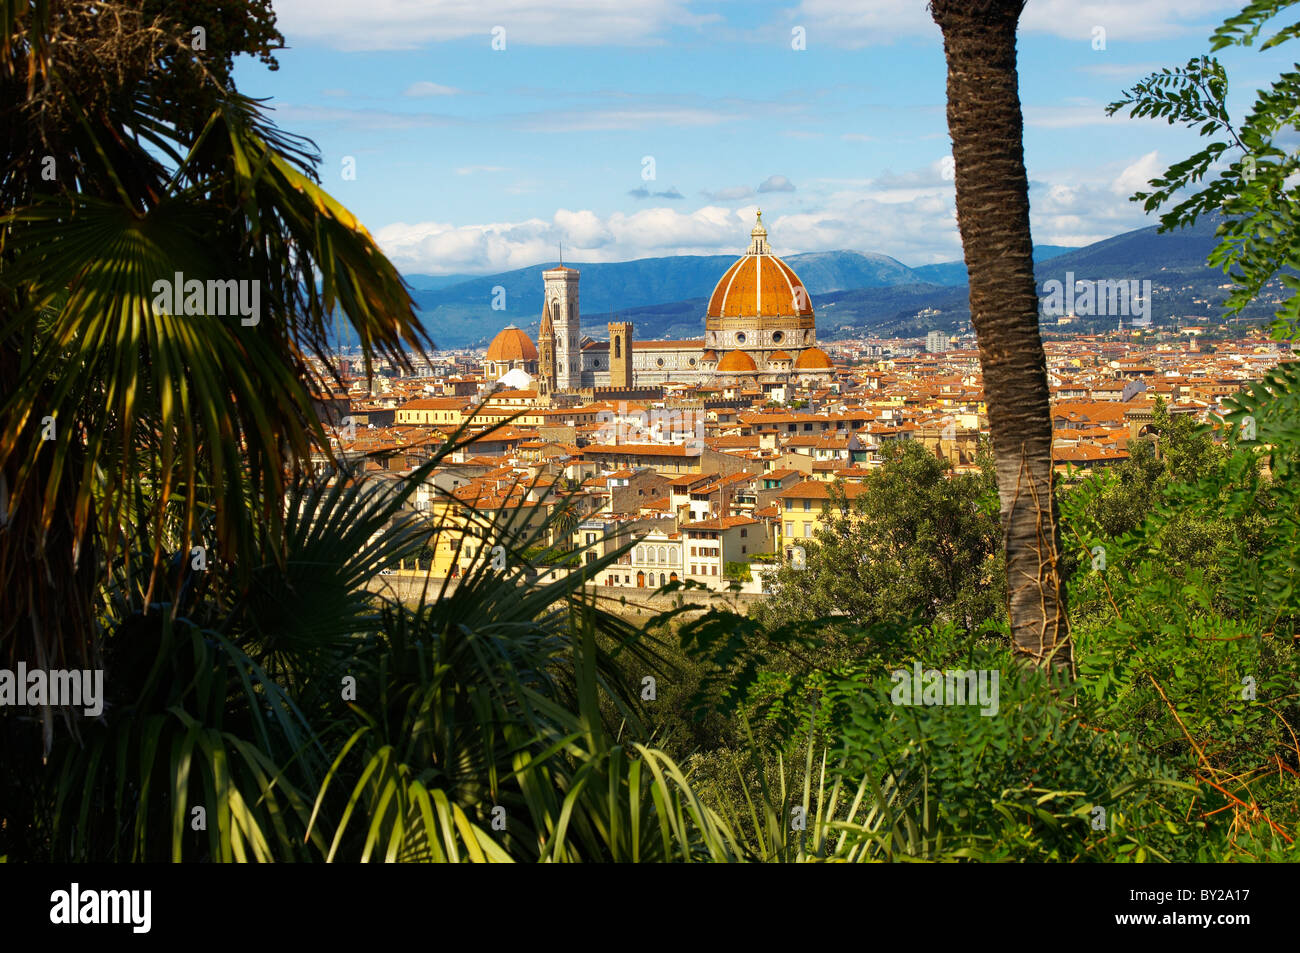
{"x":759,"y":329}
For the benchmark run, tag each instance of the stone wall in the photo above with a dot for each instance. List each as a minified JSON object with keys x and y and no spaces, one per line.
{"x":625,"y":600}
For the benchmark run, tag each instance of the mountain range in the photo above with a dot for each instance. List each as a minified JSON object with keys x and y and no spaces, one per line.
{"x":853,"y":292}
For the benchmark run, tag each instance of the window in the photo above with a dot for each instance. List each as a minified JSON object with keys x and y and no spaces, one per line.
{"x":672,"y":557}
{"x":789,"y":529}
{"x":740,"y":337}
{"x":807,"y":530}
{"x":807,"y":506}
{"x":743,"y":533}
{"x":715,"y":570}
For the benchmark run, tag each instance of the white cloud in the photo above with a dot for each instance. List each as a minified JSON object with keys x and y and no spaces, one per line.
{"x":1125,"y":20}
{"x":1093,"y":205}
{"x":632,"y":117}
{"x":1136,"y":176}
{"x":908,"y":215}
{"x":288,"y":113}
{"x":443,"y":248}
{"x":643,"y":193}
{"x":776,"y":183}
{"x":425,"y":88}
{"x":733,"y":193}
{"x":853,"y":23}
{"x":409,"y":24}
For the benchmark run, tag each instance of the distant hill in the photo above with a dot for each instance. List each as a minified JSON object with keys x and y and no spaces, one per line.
{"x":1184,"y":288}
{"x":434,"y":282}
{"x":954,"y":272}
{"x":852,"y":291}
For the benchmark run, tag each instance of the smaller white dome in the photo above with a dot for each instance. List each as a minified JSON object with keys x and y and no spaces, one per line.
{"x":516,"y":379}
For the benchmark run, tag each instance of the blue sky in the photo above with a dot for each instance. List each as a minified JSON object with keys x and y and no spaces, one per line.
{"x":470,"y":159}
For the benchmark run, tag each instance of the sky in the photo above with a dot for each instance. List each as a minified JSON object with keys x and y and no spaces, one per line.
{"x":478,"y":136}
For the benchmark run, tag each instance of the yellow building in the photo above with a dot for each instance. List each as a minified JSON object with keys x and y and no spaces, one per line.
{"x":802,"y":508}
{"x":432,"y":410}
{"x":478,"y":517}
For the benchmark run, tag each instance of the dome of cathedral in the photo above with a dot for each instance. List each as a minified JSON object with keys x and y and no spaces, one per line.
{"x":512,"y":344}
{"x":813,"y":359}
{"x":780,"y":356}
{"x":736,"y":362}
{"x":759,"y":285}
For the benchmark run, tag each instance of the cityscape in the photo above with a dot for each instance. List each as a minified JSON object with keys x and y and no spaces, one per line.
{"x":733,"y":439}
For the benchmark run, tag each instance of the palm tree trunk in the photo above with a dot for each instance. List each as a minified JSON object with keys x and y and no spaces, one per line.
{"x":979,"y":41}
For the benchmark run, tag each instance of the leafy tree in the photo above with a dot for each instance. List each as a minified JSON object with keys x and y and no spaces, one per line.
{"x":918,"y":543}
{"x":128,"y":157}
{"x":737,"y":571}
{"x":984,"y":119}
{"x":1175,"y":449}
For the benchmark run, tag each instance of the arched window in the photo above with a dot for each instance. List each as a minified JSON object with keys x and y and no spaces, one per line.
{"x":618,"y":346}
{"x":650,"y":552}
{"x":672,"y":557}
{"x":640,"y":554}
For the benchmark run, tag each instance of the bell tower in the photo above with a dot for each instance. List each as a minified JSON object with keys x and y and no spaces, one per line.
{"x":561,"y":292}
{"x":546,"y":354}
{"x":620,"y":354}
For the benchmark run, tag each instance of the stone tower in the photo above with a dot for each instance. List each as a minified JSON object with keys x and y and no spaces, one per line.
{"x":620,"y":354}
{"x":562,"y":302}
{"x":546,"y":354}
